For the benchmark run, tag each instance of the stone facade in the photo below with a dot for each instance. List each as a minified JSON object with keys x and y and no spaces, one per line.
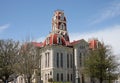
{"x":56,"y":63}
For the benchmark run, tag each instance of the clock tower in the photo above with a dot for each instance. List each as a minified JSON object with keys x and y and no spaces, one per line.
{"x":59,"y":25}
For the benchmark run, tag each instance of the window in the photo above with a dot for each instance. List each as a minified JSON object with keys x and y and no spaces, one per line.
{"x":67,"y":77}
{"x":62,"y":17}
{"x":71,"y":77}
{"x":48,"y":58}
{"x":50,"y":72}
{"x":45,"y":59}
{"x":47,"y":41}
{"x":48,"y":76}
{"x":61,"y":76}
{"x":57,"y":59}
{"x":61,"y":59}
{"x":40,"y":60}
{"x":57,"y":76}
{"x":80,"y":59}
{"x":59,"y":40}
{"x":71,"y":62}
{"x":45,"y":76}
{"x":67,"y":60}
{"x":62,"y":26}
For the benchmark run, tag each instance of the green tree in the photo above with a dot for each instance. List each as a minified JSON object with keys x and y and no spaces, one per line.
{"x":8,"y":51}
{"x":100,"y":64}
{"x":28,"y":61}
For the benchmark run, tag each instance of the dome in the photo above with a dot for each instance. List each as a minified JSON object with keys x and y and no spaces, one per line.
{"x":53,"y":39}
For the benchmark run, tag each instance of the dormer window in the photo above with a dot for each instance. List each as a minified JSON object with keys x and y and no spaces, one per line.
{"x":59,"y":40}
{"x":47,"y":41}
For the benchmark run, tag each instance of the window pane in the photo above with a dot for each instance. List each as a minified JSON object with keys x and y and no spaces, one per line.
{"x":57,"y":59}
{"x":67,"y":77}
{"x":71,"y":62}
{"x":48,"y":58}
{"x":61,"y":59}
{"x":62,"y":77}
{"x":57,"y":77}
{"x":45,"y":59}
{"x":71,"y":77}
{"x":80,"y":59}
{"x":67,"y":60}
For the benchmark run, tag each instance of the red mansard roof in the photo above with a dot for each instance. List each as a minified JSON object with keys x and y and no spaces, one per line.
{"x":53,"y":39}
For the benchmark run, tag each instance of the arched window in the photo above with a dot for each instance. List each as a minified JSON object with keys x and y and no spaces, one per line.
{"x":62,"y":26}
{"x":59,"y":40}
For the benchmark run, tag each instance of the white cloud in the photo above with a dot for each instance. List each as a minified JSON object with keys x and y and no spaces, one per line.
{"x":3,"y":27}
{"x":112,"y":11}
{"x":110,"y":36}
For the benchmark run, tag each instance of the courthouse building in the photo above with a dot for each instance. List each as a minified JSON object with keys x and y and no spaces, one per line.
{"x":62,"y":60}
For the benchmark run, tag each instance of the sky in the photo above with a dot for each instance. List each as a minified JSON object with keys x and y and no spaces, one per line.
{"x":86,"y":19}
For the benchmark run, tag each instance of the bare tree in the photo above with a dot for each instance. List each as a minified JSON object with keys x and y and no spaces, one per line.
{"x":28,"y":60}
{"x":8,"y":51}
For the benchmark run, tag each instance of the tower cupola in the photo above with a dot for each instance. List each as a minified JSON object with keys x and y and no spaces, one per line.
{"x":59,"y":25}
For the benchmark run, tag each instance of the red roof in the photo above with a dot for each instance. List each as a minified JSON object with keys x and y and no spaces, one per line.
{"x":93,"y":44}
{"x":75,"y":42}
{"x":36,"y":44}
{"x":53,"y":39}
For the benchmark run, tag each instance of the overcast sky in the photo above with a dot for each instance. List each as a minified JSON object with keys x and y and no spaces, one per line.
{"x":85,"y":19}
